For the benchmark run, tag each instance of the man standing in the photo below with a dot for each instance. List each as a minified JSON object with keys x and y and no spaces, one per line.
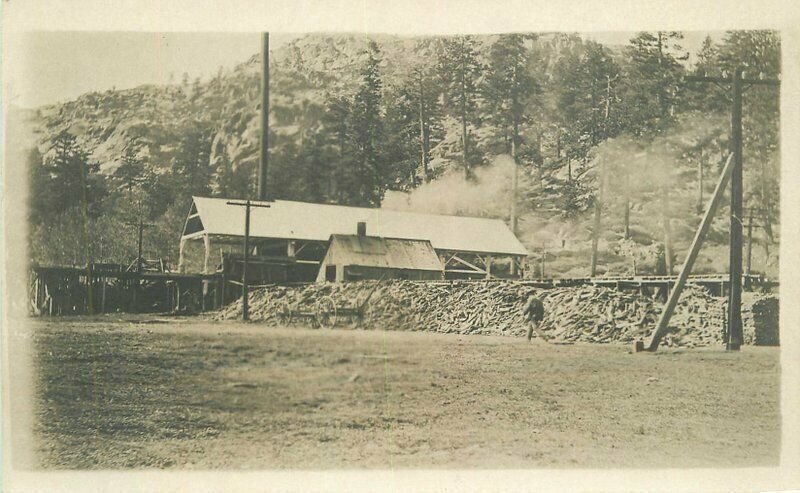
{"x":534,"y":313}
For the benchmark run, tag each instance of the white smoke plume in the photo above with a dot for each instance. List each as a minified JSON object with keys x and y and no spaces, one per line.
{"x":488,"y":195}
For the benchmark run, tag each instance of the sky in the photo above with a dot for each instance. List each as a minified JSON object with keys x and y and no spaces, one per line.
{"x":49,"y":67}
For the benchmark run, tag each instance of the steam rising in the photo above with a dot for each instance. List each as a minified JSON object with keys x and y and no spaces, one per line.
{"x":488,"y":195}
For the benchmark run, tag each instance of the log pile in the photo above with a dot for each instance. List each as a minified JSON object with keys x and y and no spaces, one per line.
{"x":760,"y":314}
{"x":574,"y":314}
{"x":698,"y":319}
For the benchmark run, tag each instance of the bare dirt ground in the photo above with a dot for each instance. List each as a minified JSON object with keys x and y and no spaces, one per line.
{"x":138,"y":393}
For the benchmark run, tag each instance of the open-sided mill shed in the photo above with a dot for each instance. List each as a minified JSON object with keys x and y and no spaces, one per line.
{"x":289,"y":240}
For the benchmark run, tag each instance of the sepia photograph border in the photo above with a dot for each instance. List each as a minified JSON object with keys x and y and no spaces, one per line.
{"x":393,"y":17}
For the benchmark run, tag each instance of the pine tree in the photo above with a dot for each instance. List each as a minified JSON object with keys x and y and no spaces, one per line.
{"x":130,"y":173}
{"x":191,"y":165}
{"x":336,"y":129}
{"x":367,"y":132}
{"x":38,"y":188}
{"x":508,"y":88}
{"x":71,"y":175}
{"x":706,"y":97}
{"x":459,"y":69}
{"x":758,"y":53}
{"x":426,"y":96}
{"x":653,"y":75}
{"x":654,"y":72}
{"x":403,"y":143}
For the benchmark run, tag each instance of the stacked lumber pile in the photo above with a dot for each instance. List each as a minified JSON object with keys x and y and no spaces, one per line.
{"x":574,"y":314}
{"x":760,"y":314}
{"x":698,"y":319}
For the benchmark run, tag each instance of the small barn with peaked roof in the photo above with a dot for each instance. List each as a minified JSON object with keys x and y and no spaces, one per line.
{"x":359,"y":257}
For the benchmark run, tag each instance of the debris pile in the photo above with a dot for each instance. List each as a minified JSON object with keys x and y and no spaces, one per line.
{"x":583,"y":313}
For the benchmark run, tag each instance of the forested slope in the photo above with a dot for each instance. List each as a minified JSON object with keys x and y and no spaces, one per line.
{"x":365,"y":121}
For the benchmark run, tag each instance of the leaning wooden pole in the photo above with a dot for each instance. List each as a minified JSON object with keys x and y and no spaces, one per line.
{"x":672,"y":301}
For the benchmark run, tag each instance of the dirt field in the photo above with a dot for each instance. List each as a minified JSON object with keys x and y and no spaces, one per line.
{"x":196,"y":394}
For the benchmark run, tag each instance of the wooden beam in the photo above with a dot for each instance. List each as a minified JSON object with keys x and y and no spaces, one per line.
{"x":477,"y":270}
{"x":194,"y":236}
{"x":460,"y":271}
{"x":672,"y":301}
{"x":188,"y":216}
{"x":302,"y":246}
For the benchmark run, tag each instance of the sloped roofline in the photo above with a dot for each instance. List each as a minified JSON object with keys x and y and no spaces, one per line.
{"x":306,"y":221}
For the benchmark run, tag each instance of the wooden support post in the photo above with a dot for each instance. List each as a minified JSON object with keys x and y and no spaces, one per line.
{"x":206,"y":252}
{"x":488,"y":263}
{"x":103,"y":295}
{"x":245,"y":287}
{"x":672,"y":301}
{"x":36,"y":293}
{"x":224,"y":283}
{"x":749,"y":264}
{"x":598,"y":211}
{"x":544,"y":257}
{"x":181,"y":246}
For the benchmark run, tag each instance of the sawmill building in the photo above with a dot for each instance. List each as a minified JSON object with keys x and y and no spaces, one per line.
{"x":290,"y":240}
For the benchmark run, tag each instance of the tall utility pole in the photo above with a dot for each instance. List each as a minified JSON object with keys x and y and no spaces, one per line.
{"x":263,"y":159}
{"x":247,"y":204}
{"x":738,"y":83}
{"x":736,"y":337}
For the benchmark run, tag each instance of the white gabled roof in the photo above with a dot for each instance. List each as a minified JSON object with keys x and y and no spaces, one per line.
{"x":306,"y":221}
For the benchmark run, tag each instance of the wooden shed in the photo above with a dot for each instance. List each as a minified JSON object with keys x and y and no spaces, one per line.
{"x":361,"y":257}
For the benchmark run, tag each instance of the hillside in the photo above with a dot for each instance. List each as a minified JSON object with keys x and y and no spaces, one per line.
{"x":215,"y":122}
